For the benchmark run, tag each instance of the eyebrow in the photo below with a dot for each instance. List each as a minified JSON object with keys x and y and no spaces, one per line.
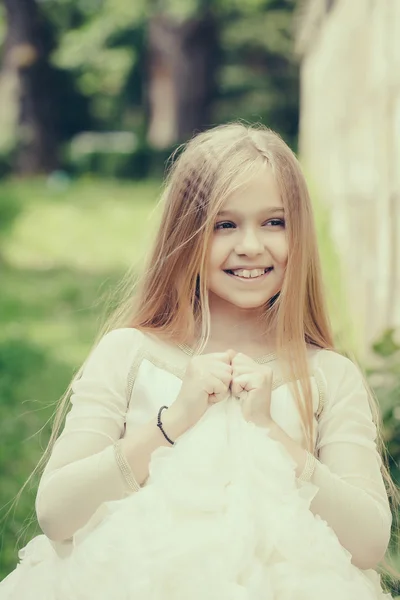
{"x":274,"y":209}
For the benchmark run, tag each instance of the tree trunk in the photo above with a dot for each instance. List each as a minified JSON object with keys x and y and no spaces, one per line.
{"x":183,"y":58}
{"x":27,"y":50}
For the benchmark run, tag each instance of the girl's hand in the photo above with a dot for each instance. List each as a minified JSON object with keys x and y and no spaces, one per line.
{"x":252,"y":384}
{"x":207,"y":380}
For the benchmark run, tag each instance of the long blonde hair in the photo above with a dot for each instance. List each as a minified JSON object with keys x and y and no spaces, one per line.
{"x":171,"y":296}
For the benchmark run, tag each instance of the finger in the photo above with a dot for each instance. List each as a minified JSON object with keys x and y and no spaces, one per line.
{"x":231,"y":354}
{"x":252,"y":369}
{"x":215,"y":385}
{"x":223,"y":372}
{"x":219,"y":391}
{"x":240,"y":384}
{"x":239,"y":370}
{"x":225,"y":357}
{"x":241,"y":365}
{"x":217,"y":398}
{"x":241,"y":358}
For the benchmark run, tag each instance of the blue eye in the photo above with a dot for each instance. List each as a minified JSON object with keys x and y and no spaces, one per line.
{"x":230,"y":224}
{"x":222,"y":225}
{"x":276,"y":222}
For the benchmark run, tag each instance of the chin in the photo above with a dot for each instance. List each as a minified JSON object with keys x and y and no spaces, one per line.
{"x":247,"y":303}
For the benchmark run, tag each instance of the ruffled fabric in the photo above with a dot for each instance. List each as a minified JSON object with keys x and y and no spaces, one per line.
{"x":221,"y":516}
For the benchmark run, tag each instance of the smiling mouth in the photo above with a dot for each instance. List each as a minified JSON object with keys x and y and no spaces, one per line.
{"x":246,"y":274}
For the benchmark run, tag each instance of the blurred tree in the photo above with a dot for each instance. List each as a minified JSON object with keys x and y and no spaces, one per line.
{"x":27,"y":48}
{"x":214,"y":60}
{"x":259,"y":80}
{"x":182,"y":63}
{"x":384,"y":376}
{"x":168,"y":69}
{"x":101,"y":43}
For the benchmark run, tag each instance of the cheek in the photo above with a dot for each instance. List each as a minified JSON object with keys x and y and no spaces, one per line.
{"x":279,"y":249}
{"x":218,"y":253}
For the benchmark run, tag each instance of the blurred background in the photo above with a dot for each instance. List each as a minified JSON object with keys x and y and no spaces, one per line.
{"x":94,"y":96}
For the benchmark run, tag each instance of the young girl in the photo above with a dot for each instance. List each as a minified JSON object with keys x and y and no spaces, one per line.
{"x":217,"y":445}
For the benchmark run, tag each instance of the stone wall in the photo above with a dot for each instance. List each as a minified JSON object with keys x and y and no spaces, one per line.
{"x":350,"y":144}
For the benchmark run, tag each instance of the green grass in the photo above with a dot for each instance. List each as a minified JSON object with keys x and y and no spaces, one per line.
{"x":61,"y":259}
{"x":65,"y":252}
{"x":89,"y":226}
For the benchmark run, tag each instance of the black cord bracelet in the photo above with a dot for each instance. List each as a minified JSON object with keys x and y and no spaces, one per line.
{"x":160,"y":425}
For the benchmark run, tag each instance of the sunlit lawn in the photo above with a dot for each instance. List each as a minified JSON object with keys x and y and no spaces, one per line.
{"x":63,"y":256}
{"x":92,"y":225}
{"x":66,"y":252}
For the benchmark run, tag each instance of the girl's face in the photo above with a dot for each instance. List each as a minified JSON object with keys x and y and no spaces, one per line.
{"x":248,"y":253}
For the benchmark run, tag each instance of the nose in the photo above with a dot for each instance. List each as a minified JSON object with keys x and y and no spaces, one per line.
{"x":249,"y":244}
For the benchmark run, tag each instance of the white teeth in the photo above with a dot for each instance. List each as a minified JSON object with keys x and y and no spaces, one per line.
{"x":248,"y":274}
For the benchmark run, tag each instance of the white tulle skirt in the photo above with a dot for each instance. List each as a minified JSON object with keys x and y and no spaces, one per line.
{"x":221,"y":518}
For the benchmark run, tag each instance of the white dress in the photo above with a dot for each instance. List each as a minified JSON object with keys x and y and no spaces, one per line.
{"x":222,"y":515}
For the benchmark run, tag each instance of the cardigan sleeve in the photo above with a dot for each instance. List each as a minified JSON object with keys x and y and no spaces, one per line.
{"x":351,"y":495}
{"x":82,"y":471}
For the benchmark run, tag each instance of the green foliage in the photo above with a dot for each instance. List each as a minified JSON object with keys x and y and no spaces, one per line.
{"x":9,"y":210}
{"x":384,"y":376}
{"x":100,"y":58}
{"x":3,"y":26}
{"x":183,"y":9}
{"x":115,"y":155}
{"x":103,"y":53}
{"x":259,"y":79}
